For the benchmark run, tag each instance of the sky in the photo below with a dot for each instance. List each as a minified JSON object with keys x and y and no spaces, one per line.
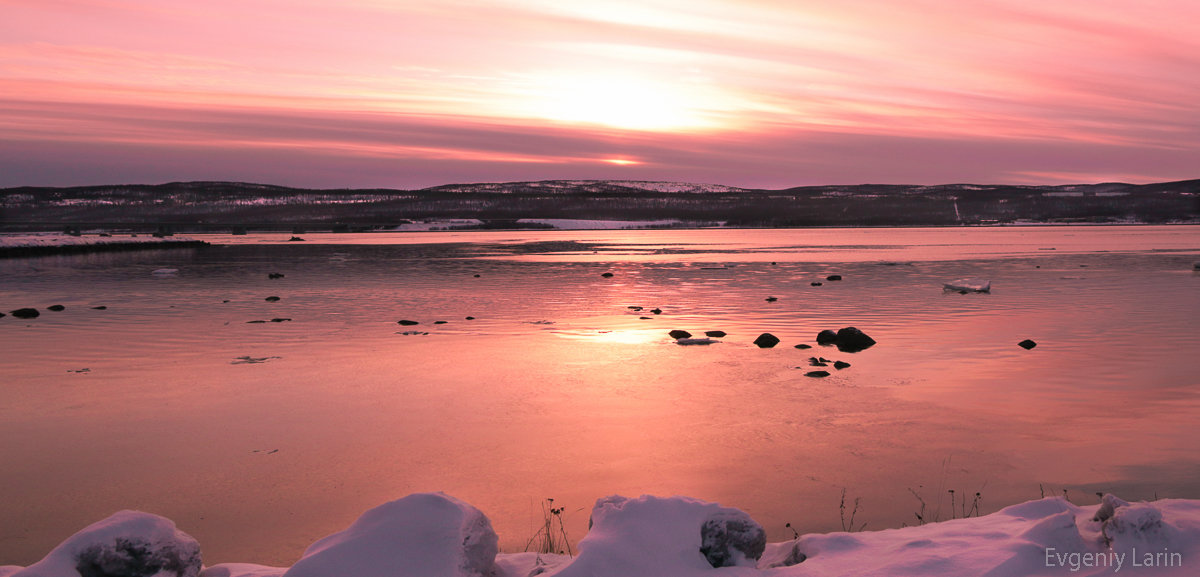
{"x":752,"y":93}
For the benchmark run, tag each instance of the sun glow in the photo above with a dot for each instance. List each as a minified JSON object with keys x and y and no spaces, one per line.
{"x":624,"y":101}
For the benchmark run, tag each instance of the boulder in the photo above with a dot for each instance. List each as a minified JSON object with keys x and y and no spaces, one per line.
{"x":771,"y":299}
{"x":679,"y":334}
{"x":803,"y":346}
{"x":1027,"y":344}
{"x":470,"y":318}
{"x":715,"y":334}
{"x":656,"y":311}
{"x":815,"y":283}
{"x":280,"y":320}
{"x":839,"y":365}
{"x":766,"y":340}
{"x":100,"y":308}
{"x":607,"y":275}
{"x":272,"y":299}
{"x":634,"y":308}
{"x":126,"y":544}
{"x":852,"y":340}
{"x":407,"y":323}
{"x":817,"y":374}
{"x":833,"y":277}
{"x":56,"y":308}
{"x":731,"y":539}
{"x":815,"y":362}
{"x":26,"y":313}
{"x":440,"y":322}
{"x":689,"y":341}
{"x":295,"y":239}
{"x":421,"y":535}
{"x":826,"y":337}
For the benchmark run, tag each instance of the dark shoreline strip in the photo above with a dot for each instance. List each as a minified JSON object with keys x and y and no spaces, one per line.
{"x":44,"y":250}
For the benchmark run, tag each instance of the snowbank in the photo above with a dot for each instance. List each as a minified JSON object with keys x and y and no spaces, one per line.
{"x":435,"y":535}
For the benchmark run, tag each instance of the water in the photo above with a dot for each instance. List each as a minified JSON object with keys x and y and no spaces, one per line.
{"x":558,"y":389}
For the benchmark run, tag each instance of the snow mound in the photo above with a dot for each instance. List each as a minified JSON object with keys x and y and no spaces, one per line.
{"x":127,"y":544}
{"x":660,"y":537}
{"x":421,"y":535}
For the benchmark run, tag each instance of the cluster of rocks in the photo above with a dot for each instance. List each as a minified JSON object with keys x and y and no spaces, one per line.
{"x":847,"y":339}
{"x":33,"y":313}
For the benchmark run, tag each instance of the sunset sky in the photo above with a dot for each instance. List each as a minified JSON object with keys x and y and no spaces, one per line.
{"x":756,"y":93}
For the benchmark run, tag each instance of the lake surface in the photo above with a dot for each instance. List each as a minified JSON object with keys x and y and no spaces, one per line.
{"x":259,"y":438}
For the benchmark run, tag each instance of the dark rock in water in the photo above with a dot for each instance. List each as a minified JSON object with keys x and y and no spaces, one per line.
{"x":26,"y":313}
{"x":814,"y":283}
{"x":817,"y":374}
{"x":803,"y":346}
{"x":771,"y":299}
{"x":56,"y":308}
{"x":254,"y":322}
{"x":815,"y":362}
{"x":656,"y":311}
{"x":634,"y":308}
{"x":408,"y":323}
{"x":275,"y":275}
{"x":476,"y":276}
{"x":271,"y":299}
{"x":2,"y":315}
{"x":1027,"y":344}
{"x":834,"y":277}
{"x":839,"y":365}
{"x":646,"y":318}
{"x":766,"y":341}
{"x":852,"y":340}
{"x":100,"y":308}
{"x":826,"y":337}
{"x":714,"y":334}
{"x":607,"y":275}
{"x":295,"y":239}
{"x":470,"y":318}
{"x":280,"y":320}
{"x":679,"y":334}
{"x":439,"y":322}
{"x":729,"y":531}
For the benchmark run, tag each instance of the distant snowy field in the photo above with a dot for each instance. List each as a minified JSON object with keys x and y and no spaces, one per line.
{"x":51,"y":239}
{"x":435,"y":535}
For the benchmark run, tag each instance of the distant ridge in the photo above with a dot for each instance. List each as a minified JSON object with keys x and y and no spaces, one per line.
{"x":202,"y":206}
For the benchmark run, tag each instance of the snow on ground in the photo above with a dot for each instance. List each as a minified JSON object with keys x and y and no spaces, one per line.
{"x":60,"y":239}
{"x":583,"y":224}
{"x":434,"y":535}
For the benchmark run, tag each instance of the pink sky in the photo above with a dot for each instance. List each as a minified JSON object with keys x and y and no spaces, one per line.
{"x":758,"y":93}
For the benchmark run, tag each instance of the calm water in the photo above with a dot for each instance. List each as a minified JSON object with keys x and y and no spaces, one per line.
{"x":558,"y":389}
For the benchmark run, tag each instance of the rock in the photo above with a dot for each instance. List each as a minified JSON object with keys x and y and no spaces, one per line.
{"x":126,"y":544}
{"x":100,"y":308}
{"x":646,"y":318}
{"x":839,"y":365}
{"x":271,"y":299}
{"x":816,"y":283}
{"x":817,"y":374}
{"x":766,"y":341}
{"x":634,"y":308}
{"x":771,"y":299}
{"x":679,"y":334}
{"x":295,"y":239}
{"x":470,"y":318}
{"x":690,"y":341}
{"x":834,"y":277}
{"x":407,"y":323}
{"x":421,"y":535}
{"x":731,"y":539}
{"x":852,"y":340}
{"x":274,"y":275}
{"x":803,"y":346}
{"x":476,"y":276}
{"x":1027,"y":344}
{"x":439,"y":322}
{"x":826,"y":337}
{"x":255,"y":322}
{"x":607,"y":275}
{"x":26,"y":313}
{"x":815,"y":362}
{"x":656,"y":311}
{"x":2,"y":315}
{"x":280,"y":320}
{"x":716,"y":334}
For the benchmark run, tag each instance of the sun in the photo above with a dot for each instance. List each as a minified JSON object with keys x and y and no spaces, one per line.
{"x":615,"y":100}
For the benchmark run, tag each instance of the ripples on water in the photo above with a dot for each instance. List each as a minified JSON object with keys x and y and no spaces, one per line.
{"x":558,"y":389}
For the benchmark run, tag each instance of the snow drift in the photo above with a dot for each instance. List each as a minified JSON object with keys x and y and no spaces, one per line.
{"x":434,"y":535}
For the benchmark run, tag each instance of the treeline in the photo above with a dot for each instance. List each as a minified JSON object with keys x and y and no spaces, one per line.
{"x":210,"y":205}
